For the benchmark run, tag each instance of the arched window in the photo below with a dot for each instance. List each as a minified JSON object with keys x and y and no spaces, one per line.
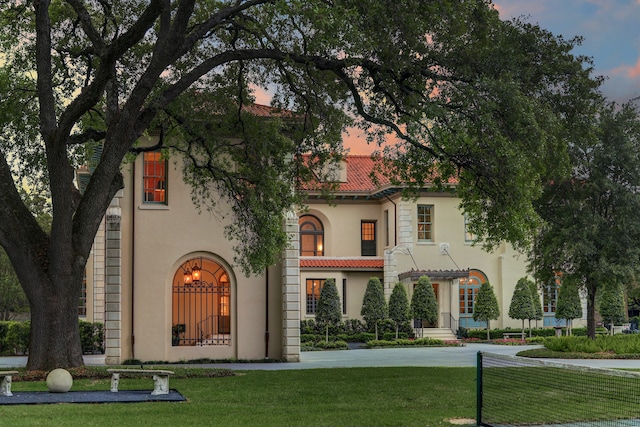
{"x":311,"y":236}
{"x":201,"y":312}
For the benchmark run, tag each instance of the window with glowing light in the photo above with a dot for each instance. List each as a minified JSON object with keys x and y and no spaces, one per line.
{"x":154,"y":178}
{"x":311,"y":236}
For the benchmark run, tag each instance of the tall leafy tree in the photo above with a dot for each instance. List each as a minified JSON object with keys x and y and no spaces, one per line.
{"x":485,"y":308}
{"x":611,"y":305}
{"x":522,"y":306}
{"x":568,"y":306}
{"x":374,"y":306}
{"x":328,"y":310}
{"x":485,"y":101}
{"x":536,"y":304}
{"x":424,"y":306}
{"x":592,"y":224}
{"x":399,"y":306}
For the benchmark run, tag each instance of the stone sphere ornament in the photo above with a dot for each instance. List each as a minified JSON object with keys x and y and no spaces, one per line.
{"x":59,"y":381}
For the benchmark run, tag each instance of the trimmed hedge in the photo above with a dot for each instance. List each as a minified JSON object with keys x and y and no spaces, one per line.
{"x":481,"y":334}
{"x":14,"y":337}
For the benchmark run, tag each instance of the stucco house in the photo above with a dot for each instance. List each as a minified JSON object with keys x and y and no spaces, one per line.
{"x":162,"y":279}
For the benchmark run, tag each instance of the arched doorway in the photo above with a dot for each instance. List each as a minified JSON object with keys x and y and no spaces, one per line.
{"x":469,"y":287}
{"x":201,"y":304}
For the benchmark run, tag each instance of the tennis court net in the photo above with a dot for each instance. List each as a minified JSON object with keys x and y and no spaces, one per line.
{"x":518,"y":391}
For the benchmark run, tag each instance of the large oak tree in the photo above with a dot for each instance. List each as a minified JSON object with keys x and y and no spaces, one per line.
{"x":592,"y":226}
{"x":469,"y":96}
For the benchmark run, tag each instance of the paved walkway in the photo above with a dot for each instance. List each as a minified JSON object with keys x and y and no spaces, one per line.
{"x":433,"y":356}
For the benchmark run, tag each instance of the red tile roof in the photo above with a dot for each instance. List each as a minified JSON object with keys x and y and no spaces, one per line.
{"x":354,"y":263}
{"x":359,"y":170}
{"x":266,"y":111}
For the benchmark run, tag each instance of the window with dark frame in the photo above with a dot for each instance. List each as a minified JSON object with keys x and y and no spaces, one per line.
{"x":386,"y":227}
{"x":154,"y":178}
{"x":314,"y":287}
{"x":311,"y":236}
{"x":344,"y":296}
{"x":368,"y":238}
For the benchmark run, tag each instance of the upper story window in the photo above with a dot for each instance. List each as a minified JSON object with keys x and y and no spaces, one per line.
{"x":425,"y":223}
{"x":311,"y":236}
{"x":469,"y":237}
{"x":154,"y":178}
{"x":368,"y":238}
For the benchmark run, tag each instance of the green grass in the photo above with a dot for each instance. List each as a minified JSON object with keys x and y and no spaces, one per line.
{"x":317,"y":397}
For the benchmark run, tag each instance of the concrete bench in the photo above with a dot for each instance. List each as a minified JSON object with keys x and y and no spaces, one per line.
{"x":160,"y":378}
{"x":5,"y":383}
{"x":507,"y":335}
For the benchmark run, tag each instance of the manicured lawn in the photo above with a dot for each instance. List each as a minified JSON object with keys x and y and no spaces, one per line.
{"x":318,"y":397}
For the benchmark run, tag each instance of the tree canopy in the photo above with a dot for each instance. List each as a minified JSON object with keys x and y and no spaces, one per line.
{"x":568,"y":306}
{"x":399,"y":306}
{"x":486,"y":102}
{"x":328,"y":311}
{"x":485,"y":307}
{"x":424,"y":306}
{"x":522,"y":306}
{"x":611,"y":305}
{"x":592,"y":228}
{"x":374,"y":306}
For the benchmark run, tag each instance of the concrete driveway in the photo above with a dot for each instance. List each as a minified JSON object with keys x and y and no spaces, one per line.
{"x":432,"y":356}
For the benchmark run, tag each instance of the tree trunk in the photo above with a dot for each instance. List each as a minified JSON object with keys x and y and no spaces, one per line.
{"x":55,"y":334}
{"x":591,"y":312}
{"x":488,"y":331}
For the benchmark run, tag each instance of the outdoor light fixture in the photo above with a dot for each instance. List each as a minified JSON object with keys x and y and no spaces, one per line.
{"x":187,"y":277}
{"x":195,"y":273}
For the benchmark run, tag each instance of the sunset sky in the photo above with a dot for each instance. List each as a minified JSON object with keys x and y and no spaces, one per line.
{"x":611,"y":31}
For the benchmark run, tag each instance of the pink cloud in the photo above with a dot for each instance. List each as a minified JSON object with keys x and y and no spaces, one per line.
{"x":631,"y":71}
{"x":263,"y":97}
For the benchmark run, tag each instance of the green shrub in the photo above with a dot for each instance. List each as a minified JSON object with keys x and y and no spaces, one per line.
{"x":420,"y":342}
{"x":18,"y":334}
{"x":324,"y":345}
{"x":391,"y":336}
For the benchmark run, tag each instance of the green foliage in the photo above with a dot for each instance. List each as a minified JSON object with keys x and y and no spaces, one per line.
{"x":621,"y":344}
{"x":611,"y":304}
{"x":12,"y":298}
{"x":591,"y":217}
{"x":91,"y":337}
{"x":568,"y":305}
{"x":522,"y":306}
{"x":374,"y":305}
{"x":18,"y":337}
{"x":328,"y":311}
{"x":486,"y":307}
{"x":424,"y":305}
{"x":14,"y":337}
{"x":419,"y":342}
{"x":399,"y":310}
{"x":536,"y":301}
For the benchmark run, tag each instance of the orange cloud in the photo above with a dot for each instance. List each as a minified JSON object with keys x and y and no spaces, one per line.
{"x":263,"y":97}
{"x":631,"y":71}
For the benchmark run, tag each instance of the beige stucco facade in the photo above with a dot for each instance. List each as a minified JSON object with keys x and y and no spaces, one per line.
{"x":141,"y":251}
